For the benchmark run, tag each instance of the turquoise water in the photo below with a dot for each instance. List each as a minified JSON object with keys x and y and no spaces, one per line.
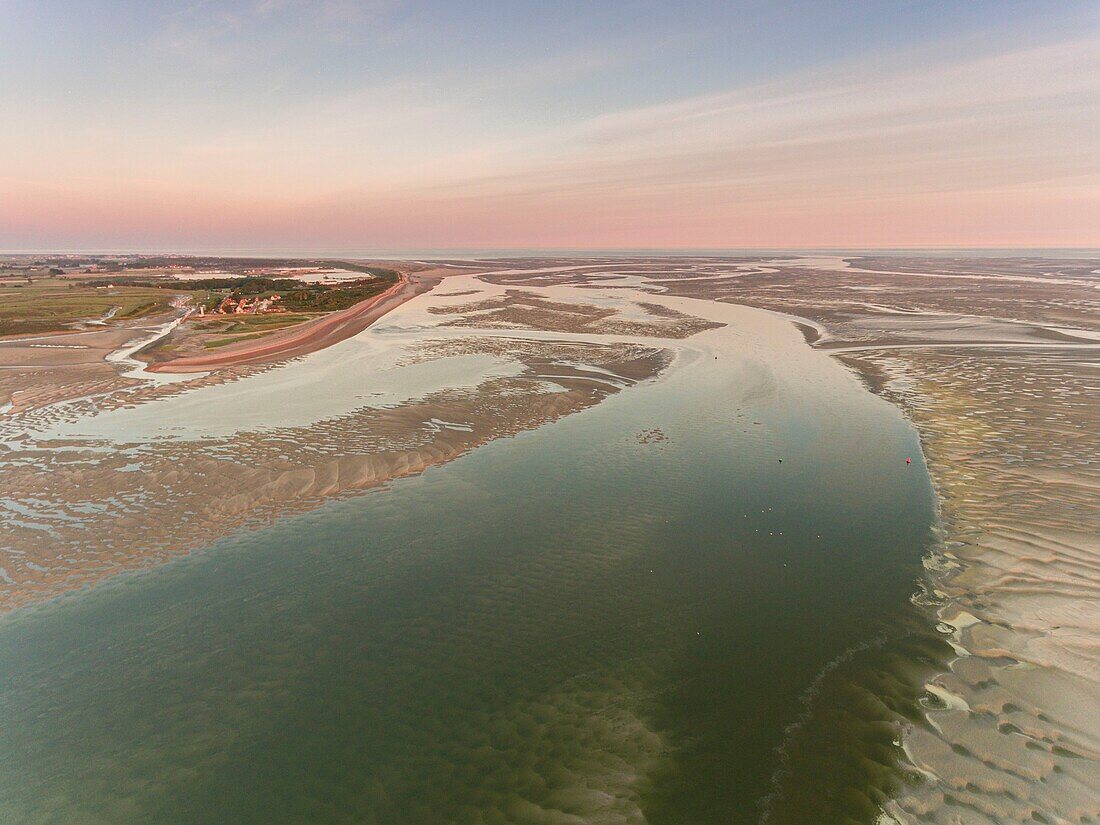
{"x":566,"y":626}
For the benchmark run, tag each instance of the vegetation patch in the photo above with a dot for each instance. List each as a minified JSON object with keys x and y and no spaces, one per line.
{"x":57,"y":304}
{"x":221,"y":342}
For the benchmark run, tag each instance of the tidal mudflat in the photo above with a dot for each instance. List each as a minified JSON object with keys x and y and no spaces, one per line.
{"x":639,"y":553}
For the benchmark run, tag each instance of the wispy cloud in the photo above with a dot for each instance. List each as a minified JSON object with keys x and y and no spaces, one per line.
{"x":1017,"y":117}
{"x":215,"y":35}
{"x":976,"y":139}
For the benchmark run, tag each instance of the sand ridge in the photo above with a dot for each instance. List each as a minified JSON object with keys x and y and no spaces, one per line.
{"x":995,"y":362}
{"x":989,"y":718}
{"x":76,"y":503}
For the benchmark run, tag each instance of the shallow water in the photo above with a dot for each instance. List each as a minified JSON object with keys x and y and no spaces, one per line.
{"x":567,"y":626}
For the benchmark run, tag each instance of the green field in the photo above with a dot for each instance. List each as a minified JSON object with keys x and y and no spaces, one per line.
{"x":247,"y":327}
{"x":221,"y":342}
{"x":52,"y":304}
{"x":33,"y":301}
{"x":266,"y":322}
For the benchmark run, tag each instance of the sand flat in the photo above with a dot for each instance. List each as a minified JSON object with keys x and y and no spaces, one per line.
{"x":982,"y":705}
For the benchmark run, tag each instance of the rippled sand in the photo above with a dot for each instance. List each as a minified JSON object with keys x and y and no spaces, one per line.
{"x":1013,"y":731}
{"x":996,"y":361}
{"x":120,"y":479}
{"x":602,"y":621}
{"x":980,"y":708}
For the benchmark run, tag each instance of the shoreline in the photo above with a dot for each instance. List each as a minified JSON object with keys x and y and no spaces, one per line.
{"x":994,"y":664}
{"x":1006,"y":586}
{"x":1005,"y":589}
{"x":1010,"y":589}
{"x":723,"y":364}
{"x":305,"y":338}
{"x":381,"y":442}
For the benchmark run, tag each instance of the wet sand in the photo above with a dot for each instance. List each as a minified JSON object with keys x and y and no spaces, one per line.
{"x":42,"y":370}
{"x":995,"y":361}
{"x":981,"y":711}
{"x":603,"y":620}
{"x":1012,"y":734}
{"x":82,"y":476}
{"x":1005,"y":397}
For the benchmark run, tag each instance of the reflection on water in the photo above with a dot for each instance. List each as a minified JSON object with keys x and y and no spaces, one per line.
{"x":575,"y":625}
{"x":351,"y":376}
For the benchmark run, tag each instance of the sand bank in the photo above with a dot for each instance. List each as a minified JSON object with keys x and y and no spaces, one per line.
{"x":1004,"y":730}
{"x":84,"y":480}
{"x":995,"y":362}
{"x":311,"y":336}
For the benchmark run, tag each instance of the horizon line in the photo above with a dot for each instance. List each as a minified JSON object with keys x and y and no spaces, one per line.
{"x":526,"y":251}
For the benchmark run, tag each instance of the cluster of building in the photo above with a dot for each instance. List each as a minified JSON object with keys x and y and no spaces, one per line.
{"x":248,"y":306}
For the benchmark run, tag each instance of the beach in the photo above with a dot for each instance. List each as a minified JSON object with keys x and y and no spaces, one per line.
{"x":678,"y":511}
{"x":311,"y":336}
{"x":998,"y":375}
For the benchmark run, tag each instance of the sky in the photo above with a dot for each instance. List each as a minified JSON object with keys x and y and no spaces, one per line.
{"x":282,"y":125}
